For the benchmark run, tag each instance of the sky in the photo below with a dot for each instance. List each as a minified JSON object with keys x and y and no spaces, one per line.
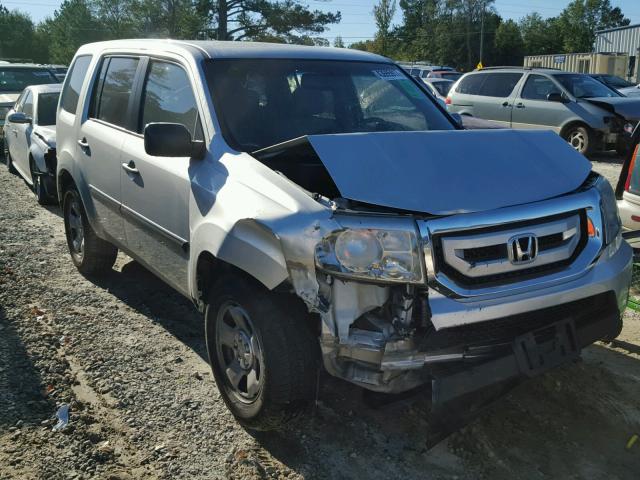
{"x":357,"y":20}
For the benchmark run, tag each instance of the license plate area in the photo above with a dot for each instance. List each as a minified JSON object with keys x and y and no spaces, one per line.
{"x":546,"y":348}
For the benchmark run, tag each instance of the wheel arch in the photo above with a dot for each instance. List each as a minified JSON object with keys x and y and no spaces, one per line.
{"x":249,"y":247}
{"x":574,"y":123}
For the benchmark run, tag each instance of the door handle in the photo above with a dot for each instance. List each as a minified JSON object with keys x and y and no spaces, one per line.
{"x":505,"y":104}
{"x":130,"y":167}
{"x":83,"y":143}
{"x":520,"y":105}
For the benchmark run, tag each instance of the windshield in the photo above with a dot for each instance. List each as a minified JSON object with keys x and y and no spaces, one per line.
{"x":17,"y":79}
{"x":262,"y":102}
{"x":47,"y":104}
{"x":442,"y":87}
{"x":453,"y":76}
{"x":583,"y":86}
{"x":616,"y":82}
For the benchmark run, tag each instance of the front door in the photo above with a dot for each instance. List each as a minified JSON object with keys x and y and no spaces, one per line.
{"x":156,"y":190}
{"x":21,"y":141}
{"x":533,"y":110}
{"x":102,"y":138}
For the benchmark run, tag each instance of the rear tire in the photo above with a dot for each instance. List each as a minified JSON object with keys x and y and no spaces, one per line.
{"x":90,"y":254}
{"x":262,"y":353}
{"x":579,"y":138}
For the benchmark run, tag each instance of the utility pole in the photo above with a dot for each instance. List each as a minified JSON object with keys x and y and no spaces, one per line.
{"x":482,"y":30}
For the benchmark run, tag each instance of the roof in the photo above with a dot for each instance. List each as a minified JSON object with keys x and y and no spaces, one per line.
{"x":519,"y":69}
{"x":47,"y":88}
{"x":231,"y":49}
{"x":613,"y":29}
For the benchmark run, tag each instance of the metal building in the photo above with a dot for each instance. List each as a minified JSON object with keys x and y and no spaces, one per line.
{"x":621,"y":40}
{"x":614,"y":64}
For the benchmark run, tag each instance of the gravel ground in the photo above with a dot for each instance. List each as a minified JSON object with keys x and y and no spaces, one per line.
{"x":127,"y":354}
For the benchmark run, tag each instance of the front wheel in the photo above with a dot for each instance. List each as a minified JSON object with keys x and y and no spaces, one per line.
{"x":90,"y":254}
{"x":42,"y":195}
{"x":263,"y":355}
{"x":579,"y":137}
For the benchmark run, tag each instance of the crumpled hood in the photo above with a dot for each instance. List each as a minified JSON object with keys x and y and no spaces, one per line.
{"x":9,"y":98}
{"x":628,"y":107}
{"x":46,"y":133}
{"x":446,"y":172}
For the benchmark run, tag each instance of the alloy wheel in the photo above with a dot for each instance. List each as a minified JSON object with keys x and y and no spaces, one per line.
{"x":76,"y":228}
{"x":577,"y":140}
{"x":239,"y":352}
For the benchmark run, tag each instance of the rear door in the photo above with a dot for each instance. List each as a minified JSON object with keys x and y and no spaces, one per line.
{"x":533,"y":110}
{"x":495,"y":99}
{"x":156,"y":190}
{"x":464,"y":97}
{"x":102,"y":136}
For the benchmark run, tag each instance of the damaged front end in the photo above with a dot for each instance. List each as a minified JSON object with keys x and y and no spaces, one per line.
{"x":416,"y":281}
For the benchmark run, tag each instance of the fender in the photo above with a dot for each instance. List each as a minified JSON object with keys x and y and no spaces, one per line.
{"x":249,"y":246}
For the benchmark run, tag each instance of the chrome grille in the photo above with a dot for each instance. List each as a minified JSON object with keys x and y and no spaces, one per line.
{"x":482,"y":256}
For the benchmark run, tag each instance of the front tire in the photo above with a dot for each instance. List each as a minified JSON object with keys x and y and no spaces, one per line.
{"x":580,"y":138}
{"x":39,"y":189}
{"x":90,"y":254}
{"x":262,"y":353}
{"x":8,"y":161}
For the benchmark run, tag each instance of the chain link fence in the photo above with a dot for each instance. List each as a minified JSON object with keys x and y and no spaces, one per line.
{"x":634,"y":291}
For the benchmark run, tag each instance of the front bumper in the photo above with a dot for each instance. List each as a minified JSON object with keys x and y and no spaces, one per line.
{"x":607,"y":274}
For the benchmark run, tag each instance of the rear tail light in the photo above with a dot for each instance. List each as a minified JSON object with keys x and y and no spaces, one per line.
{"x":631,"y":167}
{"x":447,"y":101}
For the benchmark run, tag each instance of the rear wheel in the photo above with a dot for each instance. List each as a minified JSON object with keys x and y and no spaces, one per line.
{"x":263,"y":356}
{"x":579,"y":137}
{"x":90,"y":254}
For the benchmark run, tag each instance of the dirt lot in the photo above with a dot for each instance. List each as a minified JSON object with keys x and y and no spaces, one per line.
{"x":127,"y":354}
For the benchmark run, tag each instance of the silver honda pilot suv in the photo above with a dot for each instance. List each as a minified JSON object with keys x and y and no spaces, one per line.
{"x":324,"y":211}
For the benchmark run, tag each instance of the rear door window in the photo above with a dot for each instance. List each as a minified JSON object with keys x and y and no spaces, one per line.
{"x":500,"y":84}
{"x":113,"y":90}
{"x":471,"y":84}
{"x":71,"y":91}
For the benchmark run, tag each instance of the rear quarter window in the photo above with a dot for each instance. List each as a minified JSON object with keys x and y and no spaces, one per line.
{"x":500,"y":84}
{"x":76,"y":76}
{"x":471,"y":84}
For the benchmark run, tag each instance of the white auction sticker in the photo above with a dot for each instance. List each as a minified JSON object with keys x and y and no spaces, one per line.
{"x":389,"y":74}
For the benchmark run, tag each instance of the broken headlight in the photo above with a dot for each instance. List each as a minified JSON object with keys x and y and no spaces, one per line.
{"x":382,"y":255}
{"x":609,"y":207}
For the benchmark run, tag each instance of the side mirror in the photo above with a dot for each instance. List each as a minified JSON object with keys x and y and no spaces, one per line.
{"x":171,"y":140}
{"x":457,"y":118}
{"x":557,"y":97}
{"x":19,"y":117}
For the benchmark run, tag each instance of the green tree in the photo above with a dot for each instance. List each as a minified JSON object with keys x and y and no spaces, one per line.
{"x":579,"y":21}
{"x":72,"y":25}
{"x":286,"y":20}
{"x":508,"y":44}
{"x":17,"y":36}
{"x":383,"y":13}
{"x":540,"y":36}
{"x":338,"y":42}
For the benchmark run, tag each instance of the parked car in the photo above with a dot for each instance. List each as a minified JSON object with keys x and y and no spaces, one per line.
{"x":447,"y":74}
{"x":60,"y":71}
{"x":586,"y":113}
{"x":628,"y":190}
{"x":14,"y":78}
{"x":626,"y":88}
{"x":322,"y":209}
{"x":423,"y":71}
{"x":439,"y":87}
{"x":30,"y":139}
